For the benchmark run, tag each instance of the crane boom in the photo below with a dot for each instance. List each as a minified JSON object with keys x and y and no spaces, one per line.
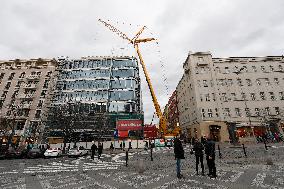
{"x":135,"y":41}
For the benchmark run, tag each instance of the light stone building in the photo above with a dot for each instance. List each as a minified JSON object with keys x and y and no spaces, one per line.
{"x":24,"y":95}
{"x":235,"y":98}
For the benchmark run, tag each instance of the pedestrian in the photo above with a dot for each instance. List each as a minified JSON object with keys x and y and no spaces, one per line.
{"x":210,"y":157}
{"x":111,"y":146}
{"x":121,"y":146}
{"x":93,"y":149}
{"x":100,"y":150}
{"x":198,"y":151}
{"x":126,"y":158}
{"x":130,"y":146}
{"x":179,"y":154}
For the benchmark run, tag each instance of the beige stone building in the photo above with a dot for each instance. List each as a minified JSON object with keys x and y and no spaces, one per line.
{"x":235,"y":98}
{"x":24,"y":94}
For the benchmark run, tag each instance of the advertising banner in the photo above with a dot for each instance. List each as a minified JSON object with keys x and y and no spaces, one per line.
{"x":126,"y":125}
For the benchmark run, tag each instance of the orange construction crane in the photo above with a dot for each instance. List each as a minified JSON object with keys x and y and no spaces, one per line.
{"x":135,"y":42}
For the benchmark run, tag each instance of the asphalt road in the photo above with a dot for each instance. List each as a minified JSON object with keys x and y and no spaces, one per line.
{"x":234,"y":170}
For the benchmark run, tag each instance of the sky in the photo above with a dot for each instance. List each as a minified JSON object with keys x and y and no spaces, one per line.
{"x":49,"y":29}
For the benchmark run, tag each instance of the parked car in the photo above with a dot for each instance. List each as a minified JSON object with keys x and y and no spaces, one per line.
{"x":53,"y":152}
{"x":35,"y":152}
{"x":76,"y":152}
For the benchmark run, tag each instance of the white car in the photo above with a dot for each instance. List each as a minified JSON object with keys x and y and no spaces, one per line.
{"x":53,"y":152}
{"x":76,"y":152}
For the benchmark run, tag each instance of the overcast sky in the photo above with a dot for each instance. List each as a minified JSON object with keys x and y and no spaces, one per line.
{"x":47,"y":29}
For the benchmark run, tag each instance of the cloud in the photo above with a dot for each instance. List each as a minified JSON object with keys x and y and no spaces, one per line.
{"x":31,"y":29}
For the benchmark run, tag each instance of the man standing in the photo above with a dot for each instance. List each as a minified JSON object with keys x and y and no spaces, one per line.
{"x":179,"y":154}
{"x":210,"y":157}
{"x":100,"y":150}
{"x":198,"y":149}
{"x":93,"y":149}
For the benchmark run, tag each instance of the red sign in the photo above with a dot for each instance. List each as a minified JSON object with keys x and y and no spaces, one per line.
{"x":131,"y":124}
{"x":150,"y":131}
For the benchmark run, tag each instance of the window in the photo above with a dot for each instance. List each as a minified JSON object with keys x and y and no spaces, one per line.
{"x":262,"y":68}
{"x":224,"y":97}
{"x":11,"y":76}
{"x":22,"y":75}
{"x":257,"y":112}
{"x":37,"y":115}
{"x":262,"y":96}
{"x":272,"y":97}
{"x":267,"y":110}
{"x":249,"y":82}
{"x":207,"y":97}
{"x":280,"y":68}
{"x":229,"y":82}
{"x":254,"y":69}
{"x":213,"y":97}
{"x":267,"y":81}
{"x":205,"y":84}
{"x":216,"y":110}
{"x":217,"y":69}
{"x":203,"y":112}
{"x":281,"y":95}
{"x":247,"y":110}
{"x":233,"y":96}
{"x":210,"y":113}
{"x":237,"y":110}
{"x":271,"y":68}
{"x":227,"y":112}
{"x":245,"y":69}
{"x":277,"y":110}
{"x":227,"y":70}
{"x":200,"y":59}
{"x":243,"y":96}
{"x":252,"y":95}
{"x":258,"y":82}
{"x":8,"y":85}
{"x":239,"y":81}
{"x":276,"y":81}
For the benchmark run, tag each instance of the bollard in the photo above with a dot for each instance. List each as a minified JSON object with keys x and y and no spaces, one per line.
{"x":245,"y":153}
{"x":220,"y":154}
{"x":126,"y":158}
{"x":265,"y":144}
{"x":151,"y":150}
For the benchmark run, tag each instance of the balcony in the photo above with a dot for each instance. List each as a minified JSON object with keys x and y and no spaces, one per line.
{"x":26,"y":96}
{"x":33,"y":77}
{"x":30,"y":86}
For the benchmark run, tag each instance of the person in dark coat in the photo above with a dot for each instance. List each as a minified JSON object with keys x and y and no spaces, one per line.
{"x":93,"y":150}
{"x":179,"y":154}
{"x":198,"y":151}
{"x":121,"y":146}
{"x":100,"y":150}
{"x":111,"y":146}
{"x":210,"y":157}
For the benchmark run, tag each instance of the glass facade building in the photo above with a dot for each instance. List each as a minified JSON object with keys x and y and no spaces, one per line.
{"x":108,"y":88}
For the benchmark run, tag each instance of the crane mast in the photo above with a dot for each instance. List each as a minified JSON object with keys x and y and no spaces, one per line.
{"x":135,"y":41}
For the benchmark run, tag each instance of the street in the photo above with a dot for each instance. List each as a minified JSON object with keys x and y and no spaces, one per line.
{"x":234,"y":170}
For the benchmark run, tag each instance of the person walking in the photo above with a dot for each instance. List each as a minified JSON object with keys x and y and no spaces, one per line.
{"x":100,"y":150}
{"x":179,"y":154}
{"x":121,"y":146}
{"x":210,"y":157}
{"x":111,"y":146}
{"x":93,"y":149}
{"x":198,"y":151}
